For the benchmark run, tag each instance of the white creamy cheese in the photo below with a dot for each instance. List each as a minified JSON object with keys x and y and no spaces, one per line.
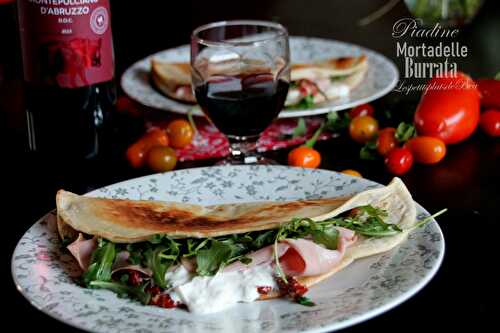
{"x":209,"y":294}
{"x":337,"y":90}
{"x":293,"y":97}
{"x":177,"y":276}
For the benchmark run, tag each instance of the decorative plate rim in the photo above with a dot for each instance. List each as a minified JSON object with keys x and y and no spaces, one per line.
{"x":333,"y":326}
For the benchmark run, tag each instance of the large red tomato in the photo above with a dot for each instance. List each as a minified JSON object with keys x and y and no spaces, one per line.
{"x":449,"y":108}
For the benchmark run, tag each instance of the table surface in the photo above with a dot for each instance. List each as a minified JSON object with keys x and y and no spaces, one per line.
{"x":466,"y":182}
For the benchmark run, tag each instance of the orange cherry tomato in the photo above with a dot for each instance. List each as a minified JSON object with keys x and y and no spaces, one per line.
{"x":399,"y":161}
{"x":351,"y":172}
{"x":304,"y":157}
{"x":180,"y":133}
{"x":386,"y":140}
{"x":136,"y":153}
{"x":362,"y":110}
{"x":490,"y":122}
{"x":426,"y":149}
{"x":448,"y":108}
{"x":161,"y":159}
{"x":363,"y":128}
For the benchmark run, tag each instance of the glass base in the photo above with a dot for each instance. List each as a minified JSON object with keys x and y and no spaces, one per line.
{"x":247,"y":160}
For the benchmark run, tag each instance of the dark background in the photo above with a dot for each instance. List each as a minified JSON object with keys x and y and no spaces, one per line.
{"x":467,"y":181}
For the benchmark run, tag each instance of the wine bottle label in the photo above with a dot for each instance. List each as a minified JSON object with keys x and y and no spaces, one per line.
{"x":66,"y":43}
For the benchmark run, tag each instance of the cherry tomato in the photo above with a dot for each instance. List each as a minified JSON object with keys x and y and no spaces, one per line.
{"x":426,"y":149}
{"x":180,"y":133}
{"x":490,"y":122}
{"x":490,"y":93}
{"x":161,"y":159}
{"x":125,"y":105}
{"x":351,"y":172}
{"x":363,"y":128}
{"x":304,"y":157}
{"x":362,"y":110}
{"x":399,"y":161}
{"x":386,"y":140}
{"x":136,"y":153}
{"x":449,"y":108}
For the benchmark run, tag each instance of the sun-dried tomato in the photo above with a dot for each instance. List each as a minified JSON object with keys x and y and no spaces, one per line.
{"x":293,"y":288}
{"x":264,"y":290}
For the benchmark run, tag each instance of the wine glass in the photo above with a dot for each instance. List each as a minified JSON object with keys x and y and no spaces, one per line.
{"x":240,"y":73}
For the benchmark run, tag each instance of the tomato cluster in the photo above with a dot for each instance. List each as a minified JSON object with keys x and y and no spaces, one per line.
{"x":156,"y":147}
{"x":448,"y":113}
{"x":399,"y":147}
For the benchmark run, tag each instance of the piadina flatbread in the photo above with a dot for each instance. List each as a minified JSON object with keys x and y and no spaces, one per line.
{"x":133,"y":221}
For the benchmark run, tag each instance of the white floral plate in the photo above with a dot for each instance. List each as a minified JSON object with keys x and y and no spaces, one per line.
{"x":380,"y":79}
{"x":363,"y":290}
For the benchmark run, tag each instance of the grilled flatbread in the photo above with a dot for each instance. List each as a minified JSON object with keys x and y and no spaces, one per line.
{"x":173,"y":79}
{"x":130,"y":221}
{"x":323,"y":81}
{"x":326,"y":80}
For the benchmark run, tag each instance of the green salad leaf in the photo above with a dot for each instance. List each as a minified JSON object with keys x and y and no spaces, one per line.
{"x":124,"y":290}
{"x":210,"y":260}
{"x":160,"y":258}
{"x":100,"y":263}
{"x":305,"y":103}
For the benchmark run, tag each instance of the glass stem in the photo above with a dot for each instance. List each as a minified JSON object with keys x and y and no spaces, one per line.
{"x":242,"y":148}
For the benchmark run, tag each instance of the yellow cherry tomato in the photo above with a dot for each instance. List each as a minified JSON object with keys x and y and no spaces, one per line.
{"x":351,"y":172}
{"x":180,"y":133}
{"x":363,"y":128}
{"x":161,"y":159}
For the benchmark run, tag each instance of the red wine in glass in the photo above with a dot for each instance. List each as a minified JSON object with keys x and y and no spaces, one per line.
{"x":242,"y":105}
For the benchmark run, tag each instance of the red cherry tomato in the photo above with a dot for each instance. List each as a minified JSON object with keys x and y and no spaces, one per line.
{"x":399,"y":161}
{"x":386,"y":140}
{"x":449,"y":108}
{"x":426,"y":149}
{"x":490,"y":93}
{"x":362,"y":110}
{"x":304,"y":157}
{"x":490,"y":122}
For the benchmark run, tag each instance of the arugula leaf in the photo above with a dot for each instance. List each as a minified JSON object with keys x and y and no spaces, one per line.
{"x":426,"y":220}
{"x":160,"y":259}
{"x":123,"y":290}
{"x":209,"y":261}
{"x":263,"y":239}
{"x":327,"y":236}
{"x":373,"y":211}
{"x":305,"y":103}
{"x":337,"y":121}
{"x":135,"y":254}
{"x":156,"y":239}
{"x":245,"y":260}
{"x":497,"y":77}
{"x":405,"y":132}
{"x":300,"y":129}
{"x":100,"y":263}
{"x":302,"y":300}
{"x":338,"y":78}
